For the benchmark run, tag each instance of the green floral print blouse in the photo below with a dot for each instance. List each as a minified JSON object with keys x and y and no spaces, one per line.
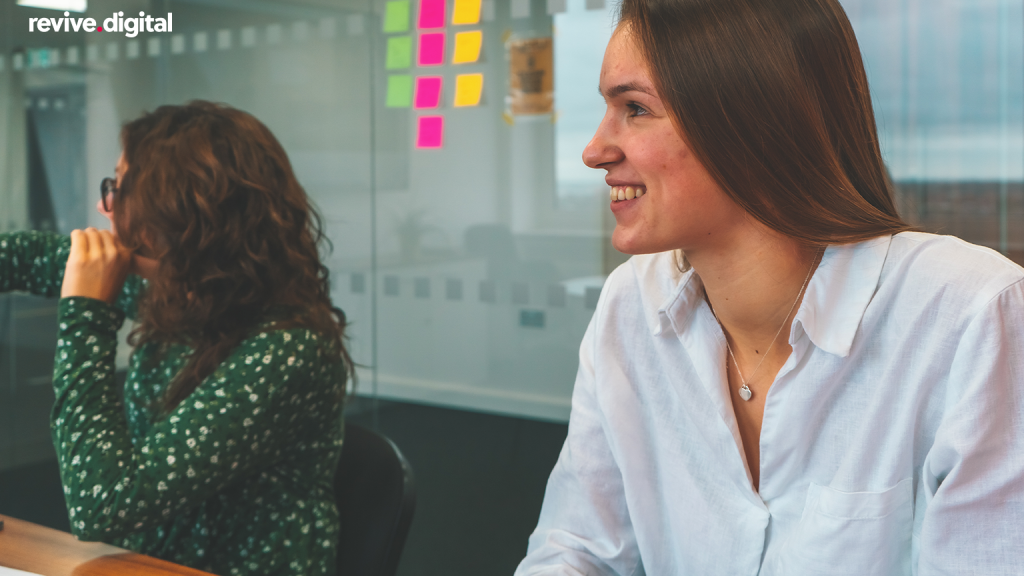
{"x":236,"y":480}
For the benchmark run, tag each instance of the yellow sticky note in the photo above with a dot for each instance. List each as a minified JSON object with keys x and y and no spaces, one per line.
{"x":468,"y":88}
{"x":467,"y":46}
{"x":466,"y":12}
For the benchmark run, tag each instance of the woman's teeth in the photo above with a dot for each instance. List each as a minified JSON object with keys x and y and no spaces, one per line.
{"x":620,"y":193}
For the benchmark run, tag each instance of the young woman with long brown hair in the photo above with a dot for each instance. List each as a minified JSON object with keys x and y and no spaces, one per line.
{"x":222,"y":454}
{"x":785,"y":379}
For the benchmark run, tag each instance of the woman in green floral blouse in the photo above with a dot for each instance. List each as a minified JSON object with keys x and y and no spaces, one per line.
{"x":222,"y":453}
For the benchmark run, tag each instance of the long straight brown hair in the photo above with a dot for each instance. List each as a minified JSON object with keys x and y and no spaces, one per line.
{"x":772,"y":98}
{"x":210,"y":193}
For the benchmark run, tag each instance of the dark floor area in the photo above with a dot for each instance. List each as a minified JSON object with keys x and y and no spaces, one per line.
{"x":479,"y":477}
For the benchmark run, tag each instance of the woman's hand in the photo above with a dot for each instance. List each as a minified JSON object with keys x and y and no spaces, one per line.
{"x":97,"y":265}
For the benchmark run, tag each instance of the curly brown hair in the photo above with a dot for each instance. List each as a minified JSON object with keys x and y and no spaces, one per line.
{"x":210,"y":193}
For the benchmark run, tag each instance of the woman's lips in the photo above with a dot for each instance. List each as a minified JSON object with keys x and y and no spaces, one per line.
{"x":622,"y":193}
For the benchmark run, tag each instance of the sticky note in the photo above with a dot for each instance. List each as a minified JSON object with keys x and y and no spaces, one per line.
{"x":396,"y":16}
{"x":431,"y":14}
{"x":399,"y":53}
{"x":466,"y":12}
{"x":428,"y":92}
{"x":467,"y":46}
{"x":431,"y":49}
{"x":468,"y":88}
{"x":429,"y":131}
{"x":399,"y":93}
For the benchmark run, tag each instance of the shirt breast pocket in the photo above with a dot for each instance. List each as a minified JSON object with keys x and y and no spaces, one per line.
{"x":852,"y":533}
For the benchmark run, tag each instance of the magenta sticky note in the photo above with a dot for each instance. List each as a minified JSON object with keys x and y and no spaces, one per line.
{"x":431,"y":14}
{"x":428,"y":92}
{"x":431,"y":49}
{"x":429,"y":132}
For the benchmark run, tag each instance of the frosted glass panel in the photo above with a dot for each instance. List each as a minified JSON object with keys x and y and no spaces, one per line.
{"x":485,"y":279}
{"x":301,"y":69}
{"x":947,"y":79}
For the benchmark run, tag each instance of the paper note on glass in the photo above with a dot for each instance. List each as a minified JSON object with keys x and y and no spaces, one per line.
{"x":431,"y":49}
{"x":399,"y":53}
{"x":531,"y":76}
{"x":468,"y":88}
{"x":399,"y":91}
{"x":430,"y":131}
{"x":467,"y":46}
{"x":466,"y":12}
{"x":431,"y":14}
{"x":428,"y":92}
{"x":396,"y":16}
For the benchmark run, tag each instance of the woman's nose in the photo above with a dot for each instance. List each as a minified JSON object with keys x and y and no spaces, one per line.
{"x":602,"y":151}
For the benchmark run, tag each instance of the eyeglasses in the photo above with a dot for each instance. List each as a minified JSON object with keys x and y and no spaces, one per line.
{"x":108,"y":189}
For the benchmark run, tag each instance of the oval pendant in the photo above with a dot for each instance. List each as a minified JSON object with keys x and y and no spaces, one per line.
{"x":745,"y":393}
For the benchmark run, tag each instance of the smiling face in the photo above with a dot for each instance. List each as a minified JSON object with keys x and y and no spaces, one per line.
{"x":663,"y":198}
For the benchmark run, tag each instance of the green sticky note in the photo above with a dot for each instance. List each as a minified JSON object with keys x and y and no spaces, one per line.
{"x":396,"y":16}
{"x":399,"y":53}
{"x":399,"y":91}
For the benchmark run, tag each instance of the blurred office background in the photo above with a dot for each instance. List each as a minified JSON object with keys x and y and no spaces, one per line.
{"x":469,"y":271}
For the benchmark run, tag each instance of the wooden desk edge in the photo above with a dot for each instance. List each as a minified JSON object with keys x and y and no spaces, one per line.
{"x":40,"y":550}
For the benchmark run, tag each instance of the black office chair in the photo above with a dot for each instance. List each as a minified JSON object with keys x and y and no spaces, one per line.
{"x":376,"y":495}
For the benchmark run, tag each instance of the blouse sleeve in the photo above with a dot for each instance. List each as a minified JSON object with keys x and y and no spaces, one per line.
{"x":240,"y":421}
{"x":34,"y":262}
{"x":584,"y":525}
{"x":973,"y":476}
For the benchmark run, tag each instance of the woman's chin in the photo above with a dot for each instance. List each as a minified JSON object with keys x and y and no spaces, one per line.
{"x":627,"y":242}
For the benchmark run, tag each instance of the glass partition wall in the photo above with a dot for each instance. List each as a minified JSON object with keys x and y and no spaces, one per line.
{"x":441,"y":140}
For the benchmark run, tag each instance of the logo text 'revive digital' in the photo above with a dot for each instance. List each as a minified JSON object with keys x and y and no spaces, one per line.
{"x":116,"y":23}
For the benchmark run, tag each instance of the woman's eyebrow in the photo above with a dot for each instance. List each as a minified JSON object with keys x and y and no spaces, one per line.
{"x":623,"y":88}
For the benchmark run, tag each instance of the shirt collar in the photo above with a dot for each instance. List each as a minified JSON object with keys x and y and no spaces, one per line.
{"x":839,"y":293}
{"x":662,"y":287}
{"x":835,"y":301}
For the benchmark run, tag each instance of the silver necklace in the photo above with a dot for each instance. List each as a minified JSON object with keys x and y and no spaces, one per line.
{"x":745,"y":391}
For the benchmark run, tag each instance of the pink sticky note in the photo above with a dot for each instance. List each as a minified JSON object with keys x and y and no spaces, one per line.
{"x":429,"y":131}
{"x":431,"y":49}
{"x":431,"y":14}
{"x":428,"y":91}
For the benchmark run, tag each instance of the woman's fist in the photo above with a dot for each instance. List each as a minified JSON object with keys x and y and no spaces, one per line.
{"x":97,"y":266}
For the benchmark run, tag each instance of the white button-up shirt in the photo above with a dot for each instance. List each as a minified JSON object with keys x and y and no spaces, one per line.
{"x":892,"y":441}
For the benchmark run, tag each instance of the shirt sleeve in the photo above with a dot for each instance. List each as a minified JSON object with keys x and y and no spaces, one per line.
{"x":34,"y":262}
{"x":973,"y":475}
{"x":240,"y":421}
{"x":584,"y":525}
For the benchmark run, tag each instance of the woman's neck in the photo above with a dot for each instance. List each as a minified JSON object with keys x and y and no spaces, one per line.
{"x":752,"y":283}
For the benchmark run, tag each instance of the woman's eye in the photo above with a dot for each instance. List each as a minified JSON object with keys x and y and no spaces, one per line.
{"x":636,"y":109}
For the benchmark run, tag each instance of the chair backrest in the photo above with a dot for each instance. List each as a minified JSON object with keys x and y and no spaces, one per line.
{"x":376,"y":495}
